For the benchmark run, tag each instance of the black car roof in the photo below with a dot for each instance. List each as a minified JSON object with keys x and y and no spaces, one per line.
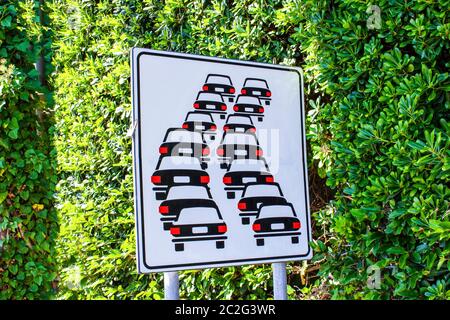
{"x":199,"y":112}
{"x":239,"y":115}
{"x":288,"y":204}
{"x":180,"y":129}
{"x":218,"y":75}
{"x":190,"y":185}
{"x":232,"y":132}
{"x":214,"y":205}
{"x":199,"y":203}
{"x":260,"y":158}
{"x":206,"y":92}
{"x":244,"y":95}
{"x":259,"y":183}
{"x":188,"y":157}
{"x":257,"y":79}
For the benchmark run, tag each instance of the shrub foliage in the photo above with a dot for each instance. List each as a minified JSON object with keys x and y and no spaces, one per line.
{"x":379,"y":127}
{"x":28,"y":222}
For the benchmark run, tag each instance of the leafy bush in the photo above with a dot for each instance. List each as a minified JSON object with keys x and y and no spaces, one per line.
{"x":377,"y":127}
{"x":28,"y":222}
{"x":91,"y":44}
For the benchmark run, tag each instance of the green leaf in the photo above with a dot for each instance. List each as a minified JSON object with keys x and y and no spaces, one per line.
{"x":3,"y":196}
{"x":396,"y":250}
{"x":418,"y":145}
{"x":6,"y":22}
{"x":13,"y":134}
{"x":24,"y":46}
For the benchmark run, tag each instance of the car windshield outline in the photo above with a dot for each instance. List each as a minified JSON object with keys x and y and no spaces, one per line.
{"x":199,"y":114}
{"x":199,"y":215}
{"x":234,"y":116}
{"x":249,"y":165}
{"x":179,"y":163}
{"x":250,"y":100}
{"x":238,"y":136}
{"x":253,"y":83}
{"x":276,"y":211}
{"x":209,"y":97}
{"x":188,"y":192}
{"x":183,"y":135}
{"x":262,"y":190}
{"x":222,"y":79}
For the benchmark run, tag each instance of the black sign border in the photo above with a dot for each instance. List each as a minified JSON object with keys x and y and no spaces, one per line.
{"x":137,"y":102}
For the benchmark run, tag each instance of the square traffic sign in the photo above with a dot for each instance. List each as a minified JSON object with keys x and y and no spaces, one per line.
{"x":220,"y":169}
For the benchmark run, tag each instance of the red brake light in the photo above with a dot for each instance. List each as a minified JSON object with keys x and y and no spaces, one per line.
{"x":227,"y":180}
{"x":259,"y":152}
{"x":175,"y":231}
{"x":163,"y":150}
{"x":256,"y":227}
{"x":268,"y":93}
{"x":213,"y":127}
{"x":223,"y":107}
{"x":232,"y":90}
{"x":226,"y":128}
{"x":242,"y":206}
{"x":205,"y":88}
{"x":205,"y":151}
{"x":296,"y":225}
{"x":220,"y":152}
{"x":156,"y":179}
{"x":185,"y":126}
{"x":222,"y":228}
{"x":196,"y":105}
{"x":243,"y":91}
{"x":269,"y":179}
{"x":252,"y":130}
{"x":204,"y":179}
{"x":164,"y":209}
{"x":261,"y":110}
{"x":236,"y":108}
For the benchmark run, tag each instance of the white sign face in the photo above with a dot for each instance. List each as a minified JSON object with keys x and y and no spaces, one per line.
{"x":219,"y":162}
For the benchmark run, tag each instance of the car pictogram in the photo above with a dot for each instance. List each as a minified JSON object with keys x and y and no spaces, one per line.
{"x":182,"y":142}
{"x":244,"y":171}
{"x":200,"y":121}
{"x":239,"y":123}
{"x":219,"y":83}
{"x":202,"y":223}
{"x":256,"y":195}
{"x":249,"y":105}
{"x":276,"y":221}
{"x":177,"y":170}
{"x":237,"y":145}
{"x":211,"y":102}
{"x":180,"y":197}
{"x":257,"y":88}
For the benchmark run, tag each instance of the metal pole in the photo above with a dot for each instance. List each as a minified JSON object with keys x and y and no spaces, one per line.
{"x":171,"y":286}
{"x":40,"y":63}
{"x":279,"y":281}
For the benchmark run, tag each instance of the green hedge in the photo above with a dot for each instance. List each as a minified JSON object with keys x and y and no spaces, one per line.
{"x":28,"y":221}
{"x":377,"y":124}
{"x":92,"y":43}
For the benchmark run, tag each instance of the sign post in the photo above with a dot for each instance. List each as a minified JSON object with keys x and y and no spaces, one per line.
{"x":279,"y":281}
{"x":220,"y":172}
{"x":171,"y":286}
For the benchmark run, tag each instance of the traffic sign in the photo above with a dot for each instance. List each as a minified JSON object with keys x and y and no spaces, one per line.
{"x":219,"y":153}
